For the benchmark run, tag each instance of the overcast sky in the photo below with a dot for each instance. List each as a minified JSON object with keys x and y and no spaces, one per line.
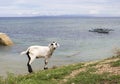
{"x":59,"y":7}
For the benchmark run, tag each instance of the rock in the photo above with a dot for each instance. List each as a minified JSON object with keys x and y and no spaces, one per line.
{"x":5,"y":40}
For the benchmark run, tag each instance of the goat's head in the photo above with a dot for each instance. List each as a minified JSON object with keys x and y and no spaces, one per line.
{"x":54,"y":45}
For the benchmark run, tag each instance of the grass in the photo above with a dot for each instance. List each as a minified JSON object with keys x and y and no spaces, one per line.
{"x":85,"y":78}
{"x":57,"y":75}
{"x":89,"y":78}
{"x":116,"y":63}
{"x":51,"y":76}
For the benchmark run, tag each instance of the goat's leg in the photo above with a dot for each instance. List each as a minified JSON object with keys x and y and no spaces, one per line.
{"x":30,"y":60}
{"x":29,"y":68}
{"x":46,"y":62}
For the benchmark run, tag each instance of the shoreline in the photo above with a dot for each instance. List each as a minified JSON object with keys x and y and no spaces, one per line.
{"x":68,"y":74}
{"x":51,"y":66}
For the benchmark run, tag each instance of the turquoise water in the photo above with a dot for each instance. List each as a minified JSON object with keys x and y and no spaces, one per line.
{"x":76,"y":43}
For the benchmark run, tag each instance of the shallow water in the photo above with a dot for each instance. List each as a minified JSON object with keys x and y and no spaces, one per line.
{"x":76,"y":43}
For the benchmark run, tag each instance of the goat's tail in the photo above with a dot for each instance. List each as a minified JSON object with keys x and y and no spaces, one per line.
{"x":24,"y":52}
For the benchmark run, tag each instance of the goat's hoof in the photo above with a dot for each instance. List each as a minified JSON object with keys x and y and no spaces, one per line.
{"x":30,"y":71}
{"x":45,"y":68}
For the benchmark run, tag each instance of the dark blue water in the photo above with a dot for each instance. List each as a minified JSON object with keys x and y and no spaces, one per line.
{"x":76,"y":43}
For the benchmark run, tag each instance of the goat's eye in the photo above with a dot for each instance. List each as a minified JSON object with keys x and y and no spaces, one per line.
{"x":51,"y":44}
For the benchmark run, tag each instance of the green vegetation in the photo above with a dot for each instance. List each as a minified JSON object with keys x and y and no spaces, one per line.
{"x":115,"y":64}
{"x":51,"y":76}
{"x":90,"y":78}
{"x":81,"y":74}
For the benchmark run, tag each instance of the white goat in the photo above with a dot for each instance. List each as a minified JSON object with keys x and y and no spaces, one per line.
{"x":39,"y":52}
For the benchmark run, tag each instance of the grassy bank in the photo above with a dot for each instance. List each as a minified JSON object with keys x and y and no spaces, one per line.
{"x":100,"y":72}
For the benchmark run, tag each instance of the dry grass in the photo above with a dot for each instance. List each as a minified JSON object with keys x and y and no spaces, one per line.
{"x":106,"y":68}
{"x":98,"y":72}
{"x":100,"y":67}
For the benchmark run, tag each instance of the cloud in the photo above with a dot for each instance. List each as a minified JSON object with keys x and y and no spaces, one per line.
{"x":93,"y":12}
{"x":59,"y":7}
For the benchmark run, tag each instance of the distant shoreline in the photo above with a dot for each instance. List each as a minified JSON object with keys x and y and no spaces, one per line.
{"x":61,"y":16}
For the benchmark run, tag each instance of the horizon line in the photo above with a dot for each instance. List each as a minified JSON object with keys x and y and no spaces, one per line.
{"x":64,"y":16}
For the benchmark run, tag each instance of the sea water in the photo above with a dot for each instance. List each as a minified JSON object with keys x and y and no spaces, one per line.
{"x":77,"y":44}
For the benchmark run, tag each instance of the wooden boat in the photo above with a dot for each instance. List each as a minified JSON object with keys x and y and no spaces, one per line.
{"x":101,"y":30}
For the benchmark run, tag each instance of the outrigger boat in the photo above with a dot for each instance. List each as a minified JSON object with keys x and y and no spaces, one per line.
{"x":101,"y":30}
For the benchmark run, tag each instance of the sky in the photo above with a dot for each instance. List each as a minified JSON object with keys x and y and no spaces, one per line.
{"x":18,"y":8}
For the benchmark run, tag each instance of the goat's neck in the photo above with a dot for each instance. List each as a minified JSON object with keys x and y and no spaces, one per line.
{"x":51,"y":51}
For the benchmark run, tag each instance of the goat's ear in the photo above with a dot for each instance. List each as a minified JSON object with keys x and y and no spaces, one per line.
{"x":58,"y":44}
{"x":53,"y":42}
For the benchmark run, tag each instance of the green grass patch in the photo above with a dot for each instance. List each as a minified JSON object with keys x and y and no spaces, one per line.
{"x":55,"y":76}
{"x":51,"y":76}
{"x":94,"y":64}
{"x":90,"y":78}
{"x":91,"y":69}
{"x":115,"y":64}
